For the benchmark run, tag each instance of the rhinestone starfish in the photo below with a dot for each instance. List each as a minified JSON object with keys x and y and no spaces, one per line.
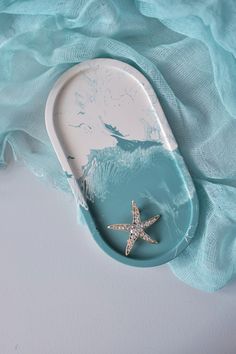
{"x":136,"y":229}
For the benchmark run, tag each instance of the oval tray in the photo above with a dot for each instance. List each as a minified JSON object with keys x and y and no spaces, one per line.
{"x":115,"y":145}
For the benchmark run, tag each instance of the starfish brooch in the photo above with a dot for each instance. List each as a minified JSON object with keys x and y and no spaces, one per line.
{"x":136,"y":229}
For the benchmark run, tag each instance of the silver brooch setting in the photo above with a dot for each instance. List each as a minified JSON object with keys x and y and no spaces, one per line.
{"x":136,"y":228}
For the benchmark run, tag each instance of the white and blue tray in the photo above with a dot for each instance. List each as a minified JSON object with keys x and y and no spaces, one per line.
{"x":115,"y":145}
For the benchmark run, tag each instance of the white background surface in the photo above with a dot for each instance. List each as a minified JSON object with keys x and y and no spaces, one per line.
{"x":60,"y":294}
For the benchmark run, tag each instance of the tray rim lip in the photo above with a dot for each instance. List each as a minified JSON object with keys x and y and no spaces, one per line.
{"x":80,"y":200}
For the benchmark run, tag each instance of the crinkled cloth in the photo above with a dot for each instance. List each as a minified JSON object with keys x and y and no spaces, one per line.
{"x":186,"y":49}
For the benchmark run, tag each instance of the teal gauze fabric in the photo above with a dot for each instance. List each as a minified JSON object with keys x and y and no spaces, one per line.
{"x":186,"y":49}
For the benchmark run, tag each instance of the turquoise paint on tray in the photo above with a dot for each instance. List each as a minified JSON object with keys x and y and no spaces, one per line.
{"x":158,"y":182}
